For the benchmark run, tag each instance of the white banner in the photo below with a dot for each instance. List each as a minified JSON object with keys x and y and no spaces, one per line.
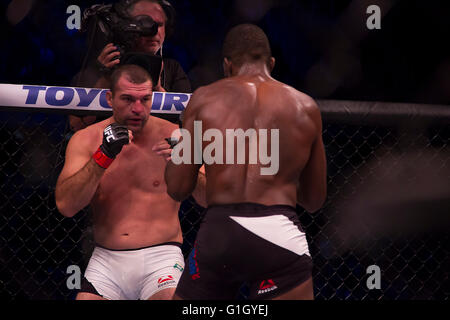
{"x":81,"y":99}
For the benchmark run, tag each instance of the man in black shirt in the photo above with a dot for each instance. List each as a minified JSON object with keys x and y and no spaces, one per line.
{"x":172,"y":77}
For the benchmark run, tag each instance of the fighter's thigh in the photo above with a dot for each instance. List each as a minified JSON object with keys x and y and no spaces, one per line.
{"x":88,"y":296}
{"x":303,"y":291}
{"x":161,"y":284}
{"x":101,"y":278}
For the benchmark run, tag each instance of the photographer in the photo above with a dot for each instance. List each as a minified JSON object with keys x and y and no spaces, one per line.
{"x":171,"y":76}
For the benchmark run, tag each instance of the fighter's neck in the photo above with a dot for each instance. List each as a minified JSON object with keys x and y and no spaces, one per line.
{"x":253,"y":69}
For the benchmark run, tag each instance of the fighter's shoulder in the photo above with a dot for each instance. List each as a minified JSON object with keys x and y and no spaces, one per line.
{"x":307,"y":102}
{"x":303,"y":101}
{"x":201,"y":95}
{"x":89,"y":135}
{"x":165,"y":126}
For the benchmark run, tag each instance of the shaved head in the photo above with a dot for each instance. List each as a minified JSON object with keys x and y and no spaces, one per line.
{"x":246,"y":43}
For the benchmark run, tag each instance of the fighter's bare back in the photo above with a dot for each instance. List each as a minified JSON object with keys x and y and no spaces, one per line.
{"x":259,"y":102}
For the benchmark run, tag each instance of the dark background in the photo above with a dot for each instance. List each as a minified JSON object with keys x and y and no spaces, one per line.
{"x":322,"y":47}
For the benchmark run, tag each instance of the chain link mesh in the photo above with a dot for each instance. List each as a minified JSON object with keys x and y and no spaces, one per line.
{"x":387,"y":205}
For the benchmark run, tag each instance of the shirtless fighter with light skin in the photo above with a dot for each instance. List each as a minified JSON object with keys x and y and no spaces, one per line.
{"x":136,"y":226}
{"x":251,"y":231}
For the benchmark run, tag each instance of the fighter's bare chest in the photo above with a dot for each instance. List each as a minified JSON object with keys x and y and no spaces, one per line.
{"x":136,"y":167}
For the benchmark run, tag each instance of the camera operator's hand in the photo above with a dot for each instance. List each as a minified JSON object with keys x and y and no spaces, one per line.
{"x":158,"y":86}
{"x":106,"y":57}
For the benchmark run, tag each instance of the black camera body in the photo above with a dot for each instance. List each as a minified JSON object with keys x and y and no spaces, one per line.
{"x":112,"y":24}
{"x":117,"y":26}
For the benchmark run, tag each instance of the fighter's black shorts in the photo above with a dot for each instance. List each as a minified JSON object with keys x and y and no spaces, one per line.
{"x":263,"y":246}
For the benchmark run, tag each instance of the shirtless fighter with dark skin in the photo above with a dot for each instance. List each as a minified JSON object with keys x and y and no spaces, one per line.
{"x":124,"y":183}
{"x":250,"y":98}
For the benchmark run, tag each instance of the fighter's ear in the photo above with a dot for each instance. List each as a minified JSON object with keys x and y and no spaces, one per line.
{"x":226,"y":67}
{"x":109,"y":97}
{"x":271,"y":63}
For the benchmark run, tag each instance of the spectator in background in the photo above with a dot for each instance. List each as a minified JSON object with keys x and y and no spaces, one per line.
{"x":172,"y":77}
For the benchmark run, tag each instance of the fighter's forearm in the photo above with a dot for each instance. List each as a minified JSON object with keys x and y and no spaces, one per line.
{"x":75,"y":193}
{"x":180,"y":182}
{"x":311,"y":196}
{"x":312,"y":190}
{"x":199,"y":192}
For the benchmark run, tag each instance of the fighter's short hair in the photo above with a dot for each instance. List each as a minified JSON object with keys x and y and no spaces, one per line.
{"x":133,"y":73}
{"x":246,"y":43}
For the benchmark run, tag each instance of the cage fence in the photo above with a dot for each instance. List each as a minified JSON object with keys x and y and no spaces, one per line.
{"x":388,"y":206}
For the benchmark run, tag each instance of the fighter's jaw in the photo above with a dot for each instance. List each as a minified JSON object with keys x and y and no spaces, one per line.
{"x":136,"y":125}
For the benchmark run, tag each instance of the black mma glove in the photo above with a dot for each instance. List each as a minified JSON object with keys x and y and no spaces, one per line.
{"x":115,"y":136}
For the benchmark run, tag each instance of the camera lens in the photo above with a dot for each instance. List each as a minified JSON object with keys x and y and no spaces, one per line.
{"x":148,"y":27}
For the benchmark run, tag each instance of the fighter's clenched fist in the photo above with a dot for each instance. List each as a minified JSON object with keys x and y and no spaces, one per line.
{"x":115,"y":136}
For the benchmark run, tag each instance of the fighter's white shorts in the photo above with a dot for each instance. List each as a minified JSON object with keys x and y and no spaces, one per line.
{"x":133,"y":274}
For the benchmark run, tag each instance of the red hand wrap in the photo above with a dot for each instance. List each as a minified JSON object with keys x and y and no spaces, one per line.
{"x":101,"y":159}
